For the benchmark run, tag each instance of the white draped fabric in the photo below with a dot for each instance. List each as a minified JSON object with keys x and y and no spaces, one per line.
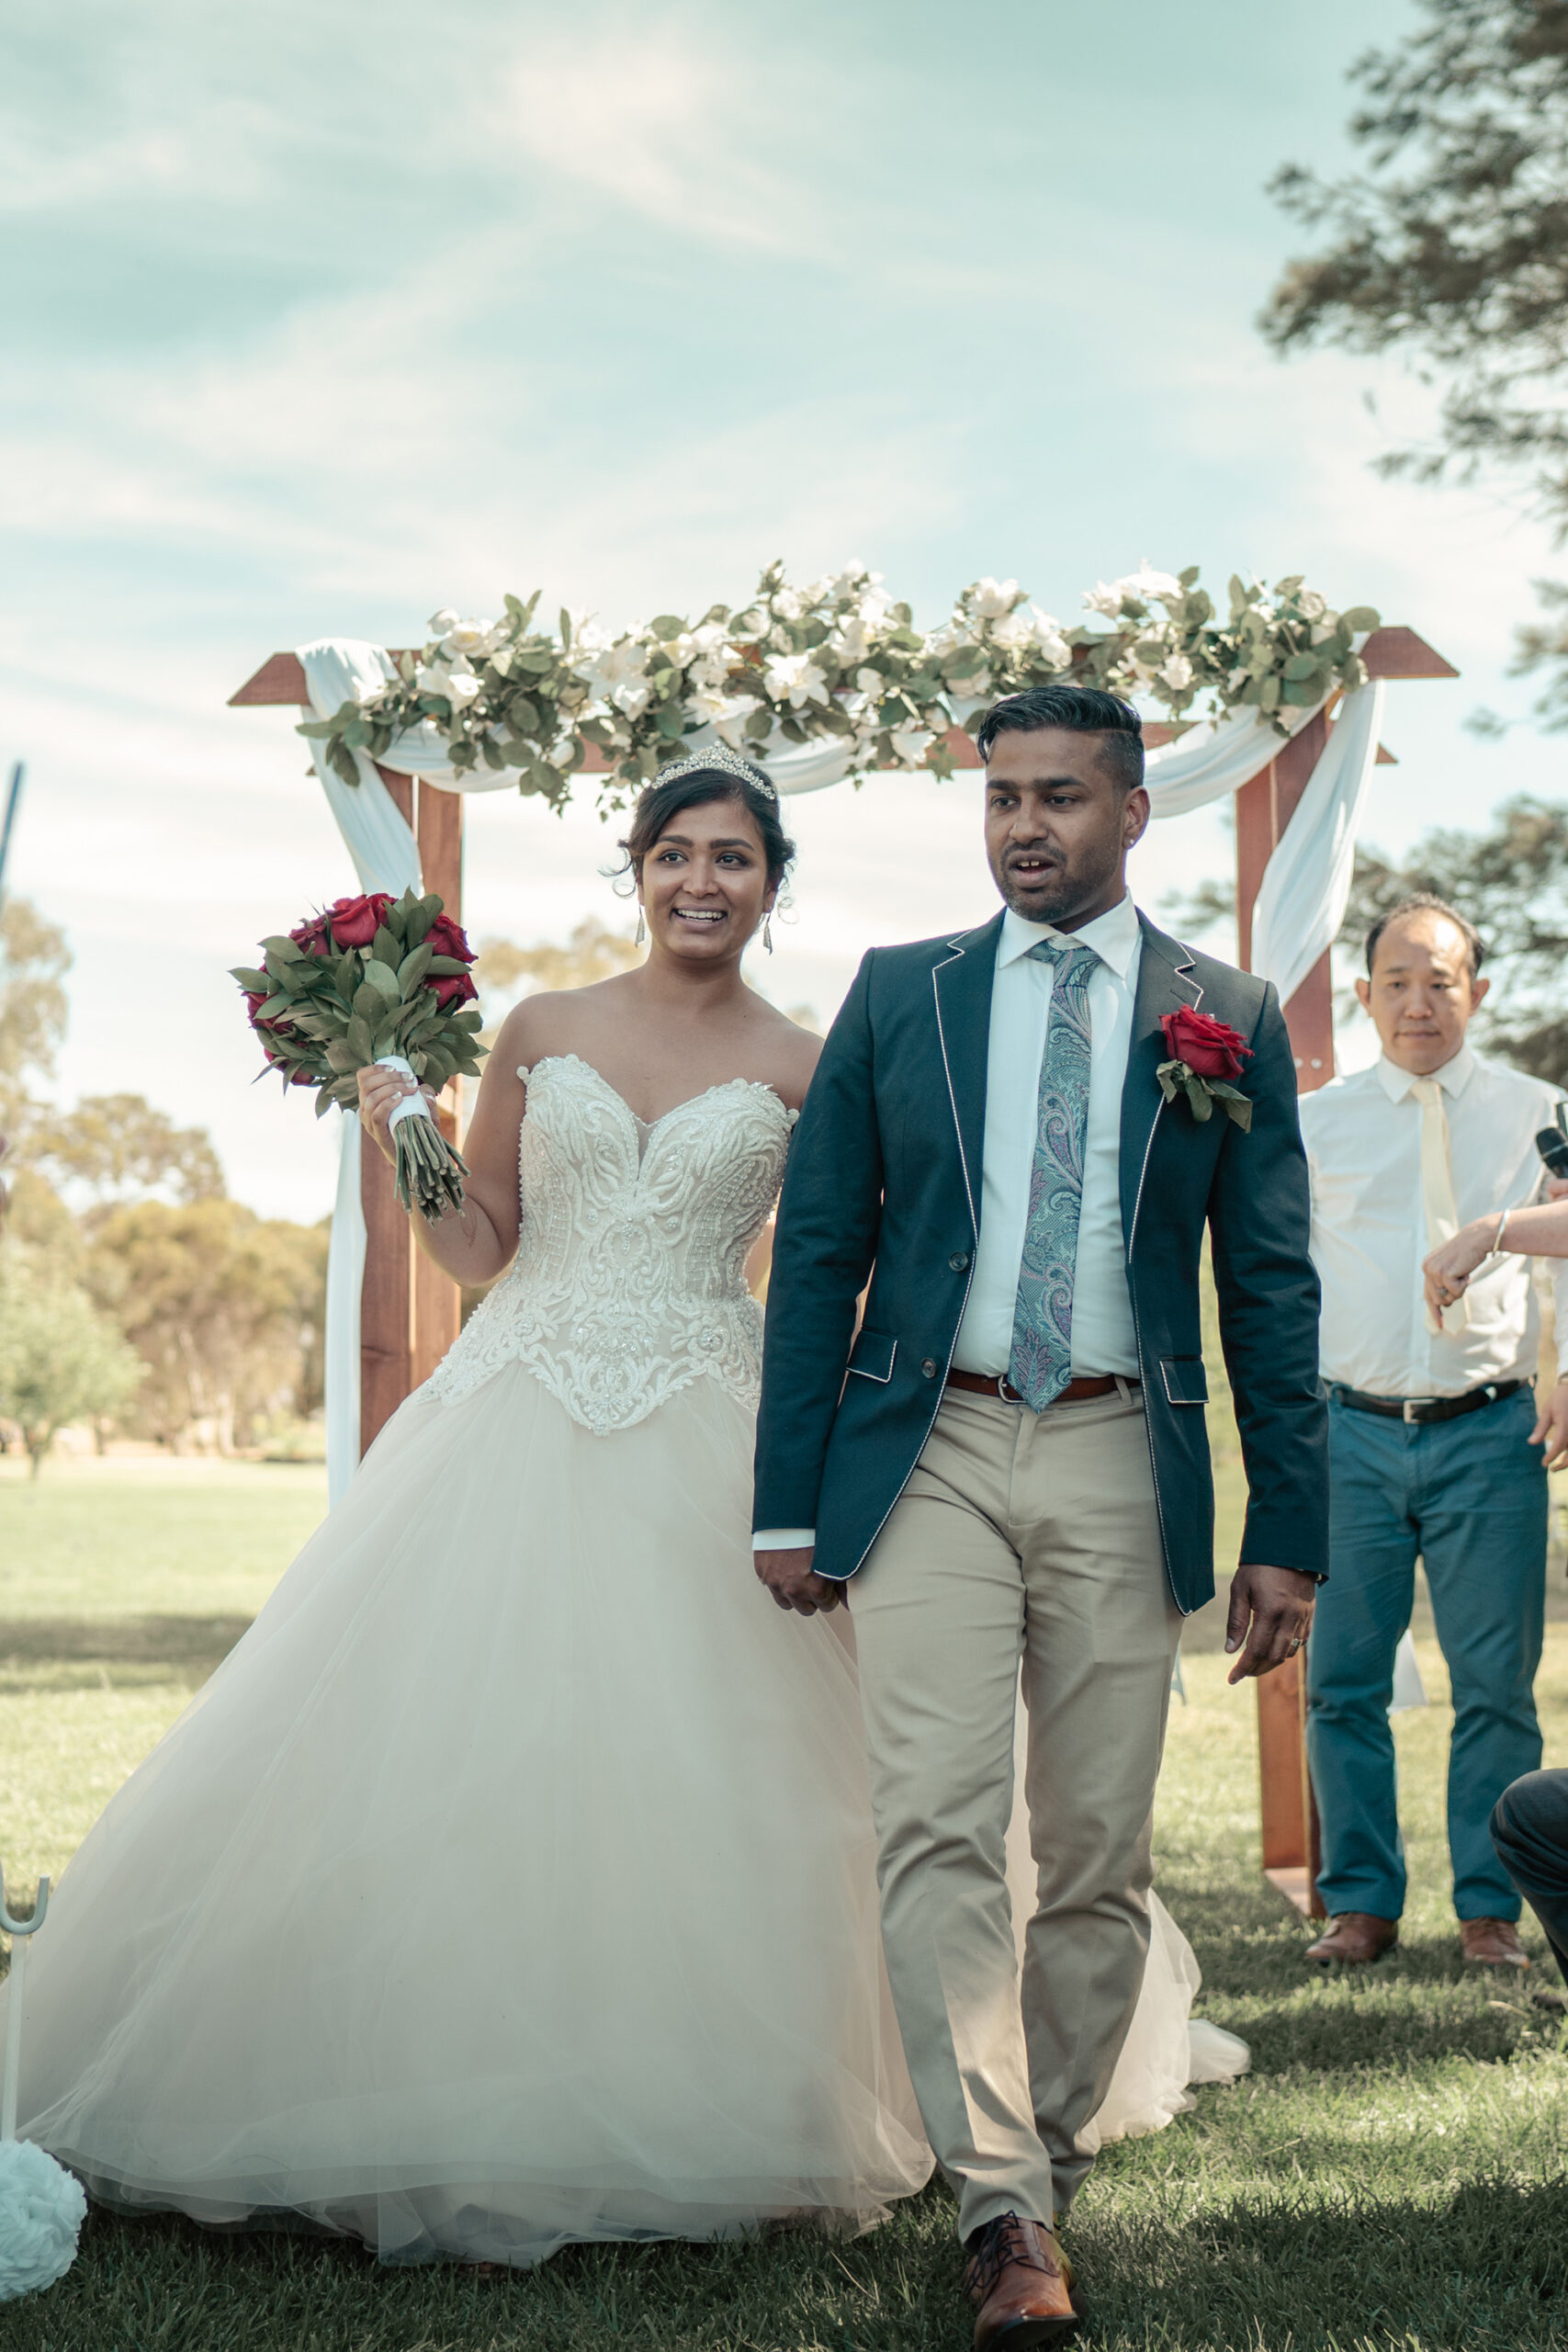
{"x":1299,"y":905}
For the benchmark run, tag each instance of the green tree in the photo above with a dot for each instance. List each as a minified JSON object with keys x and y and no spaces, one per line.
{"x":115,"y":1147}
{"x":1453,"y":245}
{"x":60,"y":1359}
{"x":225,"y":1307}
{"x":34,"y":960}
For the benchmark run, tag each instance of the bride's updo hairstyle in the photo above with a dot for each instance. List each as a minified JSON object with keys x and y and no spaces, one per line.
{"x":692,"y":782}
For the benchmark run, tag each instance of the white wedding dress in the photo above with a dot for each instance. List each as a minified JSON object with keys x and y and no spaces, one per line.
{"x":511,"y":1882}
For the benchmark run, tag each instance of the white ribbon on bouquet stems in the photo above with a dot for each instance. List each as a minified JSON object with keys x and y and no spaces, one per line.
{"x":1301,"y":903}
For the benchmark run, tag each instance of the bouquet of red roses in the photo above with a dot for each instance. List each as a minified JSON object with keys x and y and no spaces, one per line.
{"x":374,"y":979}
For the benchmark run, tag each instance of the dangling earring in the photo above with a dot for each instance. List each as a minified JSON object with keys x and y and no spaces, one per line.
{"x":768,"y":930}
{"x":641,"y":927}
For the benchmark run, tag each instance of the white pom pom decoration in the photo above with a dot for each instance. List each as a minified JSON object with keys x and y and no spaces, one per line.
{"x":41,"y":2212}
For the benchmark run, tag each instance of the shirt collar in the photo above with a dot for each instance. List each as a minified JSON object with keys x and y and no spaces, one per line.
{"x":1453,"y":1077}
{"x":1113,"y":935}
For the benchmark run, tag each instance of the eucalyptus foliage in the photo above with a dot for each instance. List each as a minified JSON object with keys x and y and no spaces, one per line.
{"x":838,"y":661}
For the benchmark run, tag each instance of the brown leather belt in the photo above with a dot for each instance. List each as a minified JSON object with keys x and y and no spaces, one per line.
{"x":996,"y":1383}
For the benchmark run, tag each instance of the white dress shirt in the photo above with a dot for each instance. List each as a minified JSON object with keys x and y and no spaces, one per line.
{"x":1368,"y":1233}
{"x":1103,"y":1336}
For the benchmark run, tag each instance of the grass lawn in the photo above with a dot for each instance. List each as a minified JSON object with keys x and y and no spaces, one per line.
{"x":1393,"y":2173}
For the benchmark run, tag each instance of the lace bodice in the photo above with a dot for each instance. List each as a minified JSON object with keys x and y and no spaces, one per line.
{"x":629,"y":1281}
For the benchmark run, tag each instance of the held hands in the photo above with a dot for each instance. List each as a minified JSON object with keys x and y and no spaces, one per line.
{"x":1550,"y":1431}
{"x":1279,"y":1602}
{"x":793,"y":1583}
{"x":381,"y":1092}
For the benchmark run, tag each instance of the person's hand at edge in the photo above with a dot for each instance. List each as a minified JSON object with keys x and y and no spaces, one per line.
{"x":1278,"y":1602}
{"x":1550,"y":1431}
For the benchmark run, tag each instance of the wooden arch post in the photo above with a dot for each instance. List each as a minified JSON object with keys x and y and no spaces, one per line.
{"x":408,"y":1310}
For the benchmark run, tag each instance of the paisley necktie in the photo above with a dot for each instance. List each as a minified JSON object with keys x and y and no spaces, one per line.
{"x":1042,"y":1359}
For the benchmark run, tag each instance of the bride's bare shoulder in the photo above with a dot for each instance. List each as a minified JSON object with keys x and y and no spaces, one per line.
{"x":792,"y":1053}
{"x":554,"y":1020}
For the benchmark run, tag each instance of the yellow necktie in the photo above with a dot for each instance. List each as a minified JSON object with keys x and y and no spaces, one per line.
{"x":1437,"y":1190}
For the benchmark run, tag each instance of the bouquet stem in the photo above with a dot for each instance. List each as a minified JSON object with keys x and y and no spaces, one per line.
{"x":428,"y":1171}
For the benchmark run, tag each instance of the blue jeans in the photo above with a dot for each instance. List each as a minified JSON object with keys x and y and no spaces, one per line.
{"x":1468,"y":1497}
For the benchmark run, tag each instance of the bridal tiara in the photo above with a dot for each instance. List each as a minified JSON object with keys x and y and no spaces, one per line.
{"x":729,"y":763}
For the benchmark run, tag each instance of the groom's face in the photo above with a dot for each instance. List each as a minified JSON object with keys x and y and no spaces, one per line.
{"x":1058,"y":826}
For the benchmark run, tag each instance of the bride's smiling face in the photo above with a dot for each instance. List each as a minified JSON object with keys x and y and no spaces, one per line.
{"x":705,"y":884}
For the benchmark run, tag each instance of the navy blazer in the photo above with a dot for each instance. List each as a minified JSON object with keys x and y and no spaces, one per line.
{"x":884,"y":1180}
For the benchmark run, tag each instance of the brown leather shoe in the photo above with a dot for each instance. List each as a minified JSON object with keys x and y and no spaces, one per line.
{"x":1494,"y":1943}
{"x":1022,"y":2281}
{"x":1352,"y":1938}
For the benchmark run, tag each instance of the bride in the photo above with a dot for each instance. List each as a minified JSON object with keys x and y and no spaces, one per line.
{"x":467,"y":1909}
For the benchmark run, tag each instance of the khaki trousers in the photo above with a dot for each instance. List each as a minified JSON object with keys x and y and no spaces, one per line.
{"x":1035,"y":1539}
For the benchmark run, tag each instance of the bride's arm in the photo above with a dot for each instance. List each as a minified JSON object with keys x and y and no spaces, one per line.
{"x":476,"y":1242}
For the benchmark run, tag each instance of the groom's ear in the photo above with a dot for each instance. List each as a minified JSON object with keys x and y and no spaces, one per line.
{"x":1135,"y":816}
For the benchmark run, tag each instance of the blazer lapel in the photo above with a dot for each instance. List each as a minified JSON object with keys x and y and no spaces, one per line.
{"x":962,"y":984}
{"x":1164,"y":985}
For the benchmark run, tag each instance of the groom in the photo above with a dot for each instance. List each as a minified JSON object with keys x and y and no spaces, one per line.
{"x":1010,"y":1454}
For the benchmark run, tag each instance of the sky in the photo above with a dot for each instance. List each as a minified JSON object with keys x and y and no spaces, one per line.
{"x":320,"y":317}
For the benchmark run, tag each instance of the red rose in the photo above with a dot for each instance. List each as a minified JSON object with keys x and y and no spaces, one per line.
{"x":1210,"y":1048}
{"x":255,"y":1000}
{"x":447,"y":938}
{"x":454,"y":987}
{"x":356,"y":921}
{"x":312,"y":936}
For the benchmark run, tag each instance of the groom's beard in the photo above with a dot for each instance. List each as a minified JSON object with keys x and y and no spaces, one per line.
{"x":1055,"y":894}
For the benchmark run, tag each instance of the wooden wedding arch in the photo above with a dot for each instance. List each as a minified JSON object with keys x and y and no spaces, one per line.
{"x":409,"y":1308}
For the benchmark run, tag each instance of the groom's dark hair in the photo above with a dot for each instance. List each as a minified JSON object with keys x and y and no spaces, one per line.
{"x":1081,"y":710}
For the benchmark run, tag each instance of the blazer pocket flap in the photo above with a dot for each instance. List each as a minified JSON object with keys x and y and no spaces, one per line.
{"x":1186,"y":1380}
{"x":872,"y":1355}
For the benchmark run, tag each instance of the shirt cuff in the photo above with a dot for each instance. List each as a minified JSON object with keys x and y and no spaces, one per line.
{"x":783,"y":1539}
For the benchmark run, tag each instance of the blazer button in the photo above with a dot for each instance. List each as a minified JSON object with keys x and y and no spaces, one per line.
{"x":959,"y":1261}
{"x":928,"y":1370}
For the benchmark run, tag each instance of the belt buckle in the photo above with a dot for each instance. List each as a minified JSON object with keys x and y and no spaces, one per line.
{"x":1007,"y":1392}
{"x":1414,"y":1408}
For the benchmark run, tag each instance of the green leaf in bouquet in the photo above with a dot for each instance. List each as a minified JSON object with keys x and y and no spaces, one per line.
{"x":250,"y":979}
{"x":384,"y":948}
{"x":323,"y":1102}
{"x":367,"y":1000}
{"x":360,"y":1043}
{"x":339,"y":1056}
{"x":413,"y":968}
{"x":284,"y":949}
{"x":381,"y":975}
{"x":447,"y":967}
{"x":273,"y":1006}
{"x":386,"y":1041}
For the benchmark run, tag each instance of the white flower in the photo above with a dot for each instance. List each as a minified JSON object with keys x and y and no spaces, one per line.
{"x":788,"y":603}
{"x":462,"y":687}
{"x":991,"y":600}
{"x":1013,"y":629}
{"x":1140,"y":587}
{"x":613,"y":665}
{"x":468,"y":637}
{"x":1176,"y":673}
{"x":439,"y":623}
{"x":910,"y":744}
{"x":796,"y":677}
{"x":850,"y":642}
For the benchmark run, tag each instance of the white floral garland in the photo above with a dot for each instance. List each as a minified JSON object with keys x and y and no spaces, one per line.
{"x":837,"y":661}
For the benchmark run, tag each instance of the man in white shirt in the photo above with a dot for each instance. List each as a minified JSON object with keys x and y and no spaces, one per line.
{"x":1009,"y":1458}
{"x":1435,"y":1441}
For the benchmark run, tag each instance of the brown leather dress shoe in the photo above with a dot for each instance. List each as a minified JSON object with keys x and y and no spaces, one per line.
{"x":1022,"y":2282}
{"x":1352,"y":1938}
{"x":1494,"y":1943}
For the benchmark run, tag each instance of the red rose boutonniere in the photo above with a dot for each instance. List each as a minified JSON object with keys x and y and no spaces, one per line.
{"x":1206,"y":1057}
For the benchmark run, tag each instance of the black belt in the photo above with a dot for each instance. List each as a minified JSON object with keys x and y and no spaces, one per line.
{"x":1425,"y":1409}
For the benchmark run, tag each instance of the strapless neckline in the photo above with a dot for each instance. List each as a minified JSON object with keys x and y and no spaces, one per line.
{"x":691,"y":1102}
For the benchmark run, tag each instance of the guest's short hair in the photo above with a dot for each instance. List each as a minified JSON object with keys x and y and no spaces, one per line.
{"x":1427,"y":902}
{"x":1080,"y":710}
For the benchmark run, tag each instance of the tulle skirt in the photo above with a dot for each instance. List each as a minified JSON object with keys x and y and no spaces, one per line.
{"x":512,"y":1882}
